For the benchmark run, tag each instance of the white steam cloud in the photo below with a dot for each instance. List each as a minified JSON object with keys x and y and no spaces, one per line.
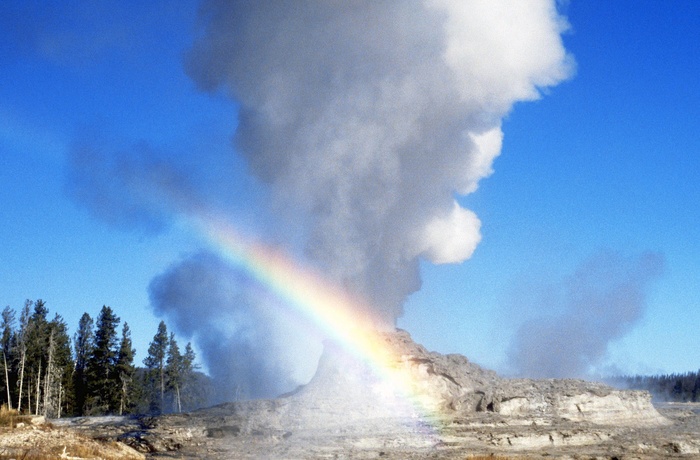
{"x":369,"y":116}
{"x":366,"y":119}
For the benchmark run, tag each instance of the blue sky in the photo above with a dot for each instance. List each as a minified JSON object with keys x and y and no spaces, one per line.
{"x":608,"y":160}
{"x":605,"y":161}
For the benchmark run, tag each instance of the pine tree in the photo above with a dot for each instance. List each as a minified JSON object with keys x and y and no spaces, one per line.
{"x":51,"y":376}
{"x":83,"y":344}
{"x":191,"y":394}
{"x":174,"y":372}
{"x":125,"y":369}
{"x":58,"y":385}
{"x":155,"y":364}
{"x":37,"y":347}
{"x":102,"y":378}
{"x":6,"y":329}
{"x":21,"y":345}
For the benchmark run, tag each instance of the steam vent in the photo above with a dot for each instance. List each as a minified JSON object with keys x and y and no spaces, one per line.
{"x":424,"y":405}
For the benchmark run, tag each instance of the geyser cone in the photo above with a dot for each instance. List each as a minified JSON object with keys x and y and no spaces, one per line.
{"x":399,"y":380}
{"x":354,"y":389}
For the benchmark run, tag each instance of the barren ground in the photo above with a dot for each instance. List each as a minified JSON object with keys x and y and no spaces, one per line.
{"x":345,"y":412}
{"x":223,"y":433}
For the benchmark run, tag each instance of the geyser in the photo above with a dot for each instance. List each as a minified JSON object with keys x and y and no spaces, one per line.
{"x":367,"y":120}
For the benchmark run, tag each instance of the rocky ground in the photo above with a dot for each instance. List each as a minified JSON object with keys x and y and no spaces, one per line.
{"x":38,"y":438}
{"x":450,"y":408}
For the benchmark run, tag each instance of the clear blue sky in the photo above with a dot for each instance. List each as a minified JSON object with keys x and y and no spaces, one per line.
{"x":606,"y":161}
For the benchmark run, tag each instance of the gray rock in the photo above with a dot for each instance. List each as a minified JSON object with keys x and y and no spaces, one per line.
{"x":421,"y":404}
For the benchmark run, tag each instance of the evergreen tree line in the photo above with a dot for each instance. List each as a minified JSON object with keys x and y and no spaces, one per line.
{"x":45,"y":373}
{"x":669,"y":387}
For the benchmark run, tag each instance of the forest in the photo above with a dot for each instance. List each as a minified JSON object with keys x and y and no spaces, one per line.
{"x":667,"y":387}
{"x":45,"y":372}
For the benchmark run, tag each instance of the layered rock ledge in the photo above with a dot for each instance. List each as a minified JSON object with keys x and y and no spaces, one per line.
{"x":447,"y":407}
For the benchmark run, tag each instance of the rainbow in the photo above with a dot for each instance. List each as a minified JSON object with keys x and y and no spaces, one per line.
{"x":346,"y":320}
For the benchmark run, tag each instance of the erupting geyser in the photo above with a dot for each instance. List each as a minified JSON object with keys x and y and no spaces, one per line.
{"x":367,"y":119}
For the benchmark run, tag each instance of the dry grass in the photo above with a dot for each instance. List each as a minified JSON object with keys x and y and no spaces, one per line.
{"x":87,"y":451}
{"x":10,"y":418}
{"x":20,"y":439}
{"x":493,"y":457}
{"x":56,"y":452}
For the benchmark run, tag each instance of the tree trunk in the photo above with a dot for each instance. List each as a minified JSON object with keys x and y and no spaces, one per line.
{"x":38,"y":390}
{"x":47,"y":380}
{"x":124,"y":392}
{"x":121,"y":398}
{"x":47,"y":389}
{"x":177,"y":395}
{"x":7,"y":381}
{"x":23,"y":359}
{"x":60,"y":393}
{"x":162,"y":388}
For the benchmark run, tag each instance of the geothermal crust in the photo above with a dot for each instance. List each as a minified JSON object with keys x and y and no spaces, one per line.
{"x":451,"y":408}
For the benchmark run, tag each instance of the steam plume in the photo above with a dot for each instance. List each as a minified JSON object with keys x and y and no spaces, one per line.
{"x":366,"y":119}
{"x":369,"y":116}
{"x":599,"y":303}
{"x":249,"y":349}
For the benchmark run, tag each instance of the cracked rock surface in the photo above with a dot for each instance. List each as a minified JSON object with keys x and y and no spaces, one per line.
{"x":449,"y":408}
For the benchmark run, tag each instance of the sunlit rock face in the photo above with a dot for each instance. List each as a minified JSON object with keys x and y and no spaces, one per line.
{"x":440,"y":386}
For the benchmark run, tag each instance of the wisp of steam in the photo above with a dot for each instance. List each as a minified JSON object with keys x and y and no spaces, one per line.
{"x":580,"y":315}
